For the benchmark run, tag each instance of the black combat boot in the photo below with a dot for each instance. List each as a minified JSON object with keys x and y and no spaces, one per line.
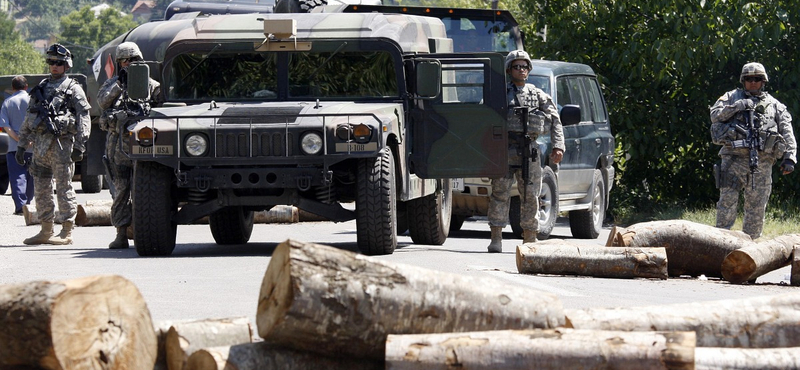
{"x":121,"y":241}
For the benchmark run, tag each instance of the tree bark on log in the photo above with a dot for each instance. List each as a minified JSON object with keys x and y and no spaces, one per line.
{"x":542,"y":349}
{"x":747,"y":358}
{"x":692,"y":248}
{"x":98,"y":214}
{"x":277,"y":215}
{"x":756,"y":259}
{"x":263,"y":356}
{"x":357,"y":301}
{"x":96,"y":322}
{"x":185,"y":338}
{"x":560,"y":257}
{"x":758,"y":322}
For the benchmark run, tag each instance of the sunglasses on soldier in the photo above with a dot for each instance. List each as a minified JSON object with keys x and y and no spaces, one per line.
{"x":520,"y":67}
{"x":753,"y":79}
{"x":56,"y":62}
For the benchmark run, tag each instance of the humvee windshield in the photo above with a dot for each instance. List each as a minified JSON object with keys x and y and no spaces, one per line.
{"x":333,"y":70}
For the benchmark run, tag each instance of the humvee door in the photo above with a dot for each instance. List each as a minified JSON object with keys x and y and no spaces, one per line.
{"x":459,"y":116}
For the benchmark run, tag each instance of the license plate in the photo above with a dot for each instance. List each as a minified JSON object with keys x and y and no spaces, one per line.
{"x":149,"y":150}
{"x":458,"y":184}
{"x":355,"y":147}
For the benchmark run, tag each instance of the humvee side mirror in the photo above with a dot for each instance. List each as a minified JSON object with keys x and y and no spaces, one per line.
{"x":139,"y":81}
{"x":429,"y":78}
{"x":570,"y":114}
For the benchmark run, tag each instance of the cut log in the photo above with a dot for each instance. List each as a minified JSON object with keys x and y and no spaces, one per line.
{"x":758,"y":322}
{"x":756,"y":259}
{"x":97,"y":322}
{"x":542,"y":349}
{"x":277,"y":215}
{"x":692,"y":248}
{"x":747,"y":358}
{"x":356,"y":301}
{"x":795,"y":277}
{"x":96,"y":214}
{"x":560,"y":257}
{"x":185,"y":338}
{"x":262,"y":356}
{"x":32,"y":218}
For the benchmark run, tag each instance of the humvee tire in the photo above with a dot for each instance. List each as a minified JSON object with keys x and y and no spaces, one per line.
{"x":429,"y":216}
{"x":153,"y":207}
{"x":548,"y":207}
{"x":376,"y":203}
{"x":90,"y":184}
{"x":587,"y":224}
{"x":231,"y":225}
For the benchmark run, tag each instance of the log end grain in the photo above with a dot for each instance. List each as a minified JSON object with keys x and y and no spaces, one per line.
{"x":276,"y":294}
{"x":738,"y":266}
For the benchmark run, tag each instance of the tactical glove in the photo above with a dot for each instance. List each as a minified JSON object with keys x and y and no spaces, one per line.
{"x":20,"y":156}
{"x":787,"y":166}
{"x":744,"y":104}
{"x":76,"y":155}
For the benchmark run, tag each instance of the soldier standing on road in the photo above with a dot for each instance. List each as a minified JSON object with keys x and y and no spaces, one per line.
{"x":12,"y":114}
{"x":117,"y":106}
{"x":57,"y":126}
{"x":542,"y":118}
{"x":730,"y":117}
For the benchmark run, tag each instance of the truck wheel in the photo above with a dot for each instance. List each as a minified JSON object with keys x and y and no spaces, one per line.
{"x":154,"y":206}
{"x":587,"y":224}
{"x":456,"y":222}
{"x":231,"y":225}
{"x":548,"y":208}
{"x":548,"y":204}
{"x":90,"y":184}
{"x":429,"y":216}
{"x":376,"y":202}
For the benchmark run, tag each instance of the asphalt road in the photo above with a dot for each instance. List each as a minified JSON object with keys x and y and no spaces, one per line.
{"x":203,"y":280}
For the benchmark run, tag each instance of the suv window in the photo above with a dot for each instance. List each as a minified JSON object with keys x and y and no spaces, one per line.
{"x":596,"y":99}
{"x":571,"y":90}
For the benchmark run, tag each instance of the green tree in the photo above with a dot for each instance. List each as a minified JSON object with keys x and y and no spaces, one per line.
{"x":18,"y":56}
{"x":83,"y":33}
{"x":661,"y":64}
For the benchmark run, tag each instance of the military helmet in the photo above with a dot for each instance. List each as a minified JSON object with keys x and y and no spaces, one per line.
{"x":753,"y":69}
{"x":518,"y":55}
{"x":128,"y":50}
{"x":58,"y":52}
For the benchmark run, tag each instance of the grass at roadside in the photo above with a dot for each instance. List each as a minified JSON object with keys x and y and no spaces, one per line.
{"x":781,"y":219}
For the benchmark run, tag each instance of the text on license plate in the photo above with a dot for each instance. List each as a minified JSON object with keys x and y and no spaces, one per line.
{"x":157,"y":149}
{"x":355,"y":147}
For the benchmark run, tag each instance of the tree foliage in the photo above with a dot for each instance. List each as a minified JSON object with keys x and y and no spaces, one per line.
{"x":662,"y":63}
{"x":83,"y":33}
{"x":17,"y":56}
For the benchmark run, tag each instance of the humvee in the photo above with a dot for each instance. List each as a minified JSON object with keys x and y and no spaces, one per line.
{"x":313,"y":110}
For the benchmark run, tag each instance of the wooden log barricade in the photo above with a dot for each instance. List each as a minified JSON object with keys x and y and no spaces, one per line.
{"x":692,"y":248}
{"x":756,"y":322}
{"x":184,"y":338}
{"x":747,"y":358}
{"x":94,"y":213}
{"x":263,"y":356}
{"x":96,"y":322}
{"x":561,"y":257}
{"x":357,"y":301}
{"x":756,"y":259}
{"x":542,"y":349}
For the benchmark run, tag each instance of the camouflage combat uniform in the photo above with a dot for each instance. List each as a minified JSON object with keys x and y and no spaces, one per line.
{"x":116,"y":106}
{"x":734,"y":171}
{"x":51,"y":155}
{"x":542,"y":118}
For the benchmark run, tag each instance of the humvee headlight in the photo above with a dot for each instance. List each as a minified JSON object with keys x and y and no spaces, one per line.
{"x":343,"y":132}
{"x":362,"y":133}
{"x":146,"y":136}
{"x":196,"y":145}
{"x":311,"y":143}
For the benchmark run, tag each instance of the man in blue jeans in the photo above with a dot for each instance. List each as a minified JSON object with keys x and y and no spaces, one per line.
{"x":11,"y":116}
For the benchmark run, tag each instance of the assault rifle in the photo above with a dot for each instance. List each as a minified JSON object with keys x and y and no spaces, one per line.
{"x":752,"y":141}
{"x":527,"y":148}
{"x":46,"y":114}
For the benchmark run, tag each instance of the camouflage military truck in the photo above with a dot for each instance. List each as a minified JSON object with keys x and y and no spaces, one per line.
{"x":311,"y":110}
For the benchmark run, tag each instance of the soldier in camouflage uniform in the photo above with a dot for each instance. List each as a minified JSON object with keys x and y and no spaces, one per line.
{"x":117,"y":106}
{"x":57,"y":125}
{"x":774,"y":140}
{"x":542,"y":118}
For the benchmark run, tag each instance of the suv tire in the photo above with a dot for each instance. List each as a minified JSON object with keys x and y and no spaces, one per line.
{"x":231,"y":225}
{"x":376,"y":203}
{"x":90,"y":184}
{"x":153,"y":207}
{"x":587,"y":224}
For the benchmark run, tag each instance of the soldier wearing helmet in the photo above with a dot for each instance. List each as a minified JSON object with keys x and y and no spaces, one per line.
{"x":770,"y":134}
{"x":117,"y":107}
{"x":542,"y":118}
{"x":57,"y":126}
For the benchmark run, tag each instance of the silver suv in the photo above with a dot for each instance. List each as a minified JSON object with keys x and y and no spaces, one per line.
{"x":581,"y":183}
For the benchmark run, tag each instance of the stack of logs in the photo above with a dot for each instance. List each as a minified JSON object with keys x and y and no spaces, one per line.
{"x":321,"y":307}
